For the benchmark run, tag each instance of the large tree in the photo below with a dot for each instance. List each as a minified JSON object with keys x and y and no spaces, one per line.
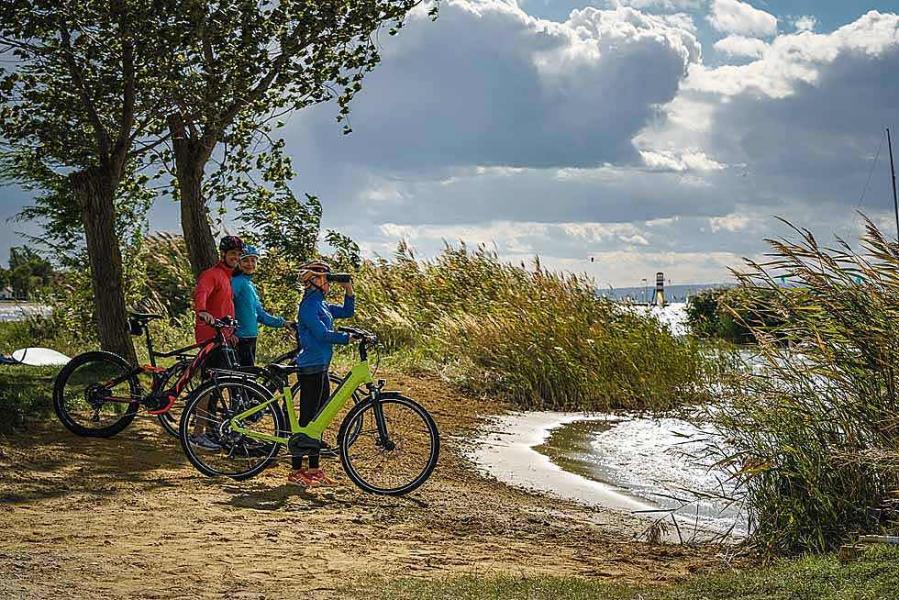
{"x":79,"y":104}
{"x":244,"y":64}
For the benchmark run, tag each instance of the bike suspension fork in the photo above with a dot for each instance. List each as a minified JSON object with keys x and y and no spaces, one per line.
{"x":383,"y":436}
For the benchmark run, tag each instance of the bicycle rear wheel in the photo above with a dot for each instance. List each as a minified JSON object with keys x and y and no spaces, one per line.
{"x":209,"y":411}
{"x":395,"y":457}
{"x":89,"y":399}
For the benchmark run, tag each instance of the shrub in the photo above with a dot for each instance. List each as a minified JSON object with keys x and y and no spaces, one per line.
{"x":730,"y":314}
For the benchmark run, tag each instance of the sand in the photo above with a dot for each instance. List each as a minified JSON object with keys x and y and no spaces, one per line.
{"x":129,"y":517}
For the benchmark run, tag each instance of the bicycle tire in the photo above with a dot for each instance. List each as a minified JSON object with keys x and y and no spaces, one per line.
{"x":194,"y":455}
{"x":347,"y":439}
{"x":59,"y":394}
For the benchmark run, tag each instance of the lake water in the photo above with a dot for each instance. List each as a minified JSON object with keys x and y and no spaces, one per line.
{"x":642,"y":466}
{"x":19,"y":312}
{"x":662,"y":461}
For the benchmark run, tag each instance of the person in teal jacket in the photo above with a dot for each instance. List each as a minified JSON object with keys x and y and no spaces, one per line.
{"x":248,"y":309}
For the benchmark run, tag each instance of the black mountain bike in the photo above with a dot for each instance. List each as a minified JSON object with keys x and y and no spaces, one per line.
{"x":98,"y":394}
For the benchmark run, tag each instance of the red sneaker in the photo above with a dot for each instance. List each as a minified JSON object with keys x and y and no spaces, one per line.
{"x":301,"y":477}
{"x":320,"y":479}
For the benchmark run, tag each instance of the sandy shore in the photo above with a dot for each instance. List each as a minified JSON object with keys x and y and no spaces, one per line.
{"x":506,"y":452}
{"x":129,"y":517}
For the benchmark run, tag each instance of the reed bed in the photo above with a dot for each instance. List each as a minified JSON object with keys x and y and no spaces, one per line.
{"x":538,"y":339}
{"x":812,"y":435}
{"x":519,"y":333}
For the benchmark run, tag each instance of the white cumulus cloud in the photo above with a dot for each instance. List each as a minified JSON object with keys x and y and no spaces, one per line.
{"x":667,"y":5}
{"x":741,"y":18}
{"x":798,"y":58}
{"x":741,"y":46}
{"x":489,"y":85}
{"x":805,"y":23}
{"x":679,"y":161}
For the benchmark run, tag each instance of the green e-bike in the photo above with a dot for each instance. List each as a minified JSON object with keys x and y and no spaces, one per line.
{"x":388,"y":444}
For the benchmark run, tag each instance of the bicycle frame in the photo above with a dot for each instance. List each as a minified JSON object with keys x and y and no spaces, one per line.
{"x":205,"y":348}
{"x":359,"y":375}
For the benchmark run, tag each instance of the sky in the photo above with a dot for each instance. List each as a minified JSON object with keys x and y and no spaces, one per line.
{"x":612,"y":137}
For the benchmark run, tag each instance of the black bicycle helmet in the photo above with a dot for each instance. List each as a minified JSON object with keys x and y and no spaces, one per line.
{"x":230,"y":242}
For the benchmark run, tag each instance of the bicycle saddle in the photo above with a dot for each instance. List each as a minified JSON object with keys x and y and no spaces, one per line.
{"x":143,"y":317}
{"x":282,"y":370}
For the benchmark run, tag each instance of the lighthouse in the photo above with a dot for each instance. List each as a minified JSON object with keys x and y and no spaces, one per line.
{"x":658,"y":296}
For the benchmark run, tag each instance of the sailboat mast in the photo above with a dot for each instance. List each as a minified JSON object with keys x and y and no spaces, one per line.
{"x":893,"y":174}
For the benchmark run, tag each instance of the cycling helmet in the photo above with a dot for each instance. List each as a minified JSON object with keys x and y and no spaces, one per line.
{"x":249,"y":250}
{"x":311,"y":270}
{"x":230,"y":242}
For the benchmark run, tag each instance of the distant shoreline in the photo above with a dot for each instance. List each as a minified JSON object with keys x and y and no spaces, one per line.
{"x":673,"y":293}
{"x":17,"y":310}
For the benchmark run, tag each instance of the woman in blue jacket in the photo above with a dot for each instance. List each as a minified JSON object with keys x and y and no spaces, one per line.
{"x":248,"y":308}
{"x":316,"y":334}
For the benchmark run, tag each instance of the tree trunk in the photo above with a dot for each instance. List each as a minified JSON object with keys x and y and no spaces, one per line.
{"x":95,"y":192}
{"x":191,"y":156}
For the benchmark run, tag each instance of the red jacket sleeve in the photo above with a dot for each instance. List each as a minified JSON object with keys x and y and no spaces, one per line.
{"x":205,"y":286}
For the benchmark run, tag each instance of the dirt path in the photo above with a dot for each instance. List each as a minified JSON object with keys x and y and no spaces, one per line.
{"x":129,"y":517}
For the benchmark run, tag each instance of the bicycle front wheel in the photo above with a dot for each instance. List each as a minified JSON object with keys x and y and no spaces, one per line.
{"x":208,"y":440}
{"x":391,"y":453}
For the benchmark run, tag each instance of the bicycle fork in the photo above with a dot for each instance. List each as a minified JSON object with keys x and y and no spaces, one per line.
{"x":383,"y":437}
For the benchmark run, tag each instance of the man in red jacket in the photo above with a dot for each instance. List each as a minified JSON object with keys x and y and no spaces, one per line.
{"x":212,"y":297}
{"x":213,"y":300}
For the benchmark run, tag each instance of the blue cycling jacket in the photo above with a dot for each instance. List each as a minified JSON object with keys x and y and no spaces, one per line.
{"x":248,"y":308}
{"x":315,"y":328}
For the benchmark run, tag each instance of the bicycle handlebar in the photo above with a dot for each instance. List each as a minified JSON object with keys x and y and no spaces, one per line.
{"x":367,"y":336}
{"x":225,"y":323}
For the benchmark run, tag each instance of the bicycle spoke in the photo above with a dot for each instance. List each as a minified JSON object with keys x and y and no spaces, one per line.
{"x":210,"y":416}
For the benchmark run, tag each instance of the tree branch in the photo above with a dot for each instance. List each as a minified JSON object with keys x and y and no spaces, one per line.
{"x":288,"y":51}
{"x":126,"y":122}
{"x":148,"y":147}
{"x":100,"y":133}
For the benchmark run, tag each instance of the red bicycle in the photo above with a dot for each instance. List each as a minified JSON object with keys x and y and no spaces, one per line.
{"x":98,"y":394}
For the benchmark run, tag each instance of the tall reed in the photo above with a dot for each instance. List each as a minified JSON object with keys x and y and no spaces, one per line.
{"x":530,"y":336}
{"x":812,"y":435}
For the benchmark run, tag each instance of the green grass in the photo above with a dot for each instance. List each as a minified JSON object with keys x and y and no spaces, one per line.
{"x":25,"y":392}
{"x":874,"y":576}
